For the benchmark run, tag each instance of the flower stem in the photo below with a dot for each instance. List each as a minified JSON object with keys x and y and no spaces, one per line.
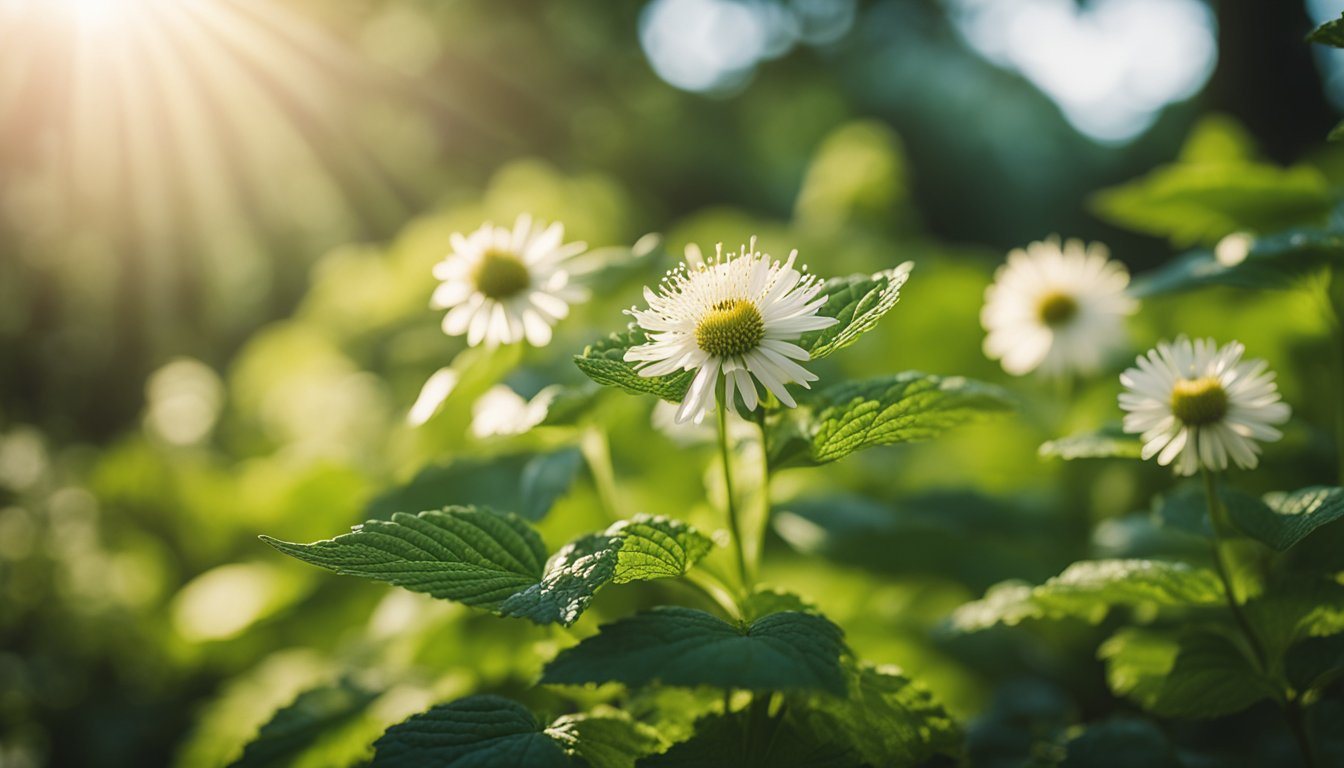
{"x":1218,"y":519}
{"x":596,"y":450}
{"x":1297,"y":722}
{"x":734,"y":524}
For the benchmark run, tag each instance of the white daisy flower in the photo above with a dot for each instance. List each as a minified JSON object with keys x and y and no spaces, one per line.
{"x":1196,"y":404}
{"x":501,"y":412}
{"x":1056,"y":309}
{"x":501,"y":286}
{"x":737,"y":315}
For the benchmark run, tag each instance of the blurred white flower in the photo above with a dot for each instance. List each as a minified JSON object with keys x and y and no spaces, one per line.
{"x":437,"y":388}
{"x":1196,"y":404}
{"x":502,"y":412}
{"x":501,"y":286}
{"x":736,"y":314}
{"x":1059,"y":309}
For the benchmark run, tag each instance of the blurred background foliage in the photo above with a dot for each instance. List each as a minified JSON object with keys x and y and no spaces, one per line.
{"x":217,"y":222}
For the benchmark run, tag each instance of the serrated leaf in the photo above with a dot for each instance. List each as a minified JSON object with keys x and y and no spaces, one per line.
{"x":1089,"y":588}
{"x":295,"y":727}
{"x":858,"y":303}
{"x":604,"y":362}
{"x":730,"y":741}
{"x":686,"y":647}
{"x":606,"y":741}
{"x":1330,"y":33}
{"x":906,"y":407}
{"x":641,"y":549}
{"x":1272,"y":261}
{"x":478,"y":557}
{"x":1199,"y":675}
{"x":886,"y":718}
{"x":475,"y":732}
{"x":1107,"y":443}
{"x":1284,"y":519}
{"x":766,"y":602}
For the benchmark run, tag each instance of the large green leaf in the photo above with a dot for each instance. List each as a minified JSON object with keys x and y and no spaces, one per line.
{"x":295,"y":727}
{"x":686,"y":647}
{"x":886,"y":718}
{"x":858,"y":303}
{"x":1123,"y":742}
{"x":641,"y":549}
{"x":906,"y":407}
{"x":474,"y":556}
{"x":611,"y":740}
{"x":1201,"y":674}
{"x":1284,"y":519}
{"x":737,"y":741}
{"x":526,"y":483}
{"x":1088,"y":589}
{"x":604,"y":362}
{"x":1273,"y":261}
{"x":1107,"y":443}
{"x":475,"y":732}
{"x":1330,"y":33}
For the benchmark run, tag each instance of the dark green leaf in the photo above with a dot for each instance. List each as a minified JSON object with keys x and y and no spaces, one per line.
{"x":1106,"y":443}
{"x":1315,"y":662}
{"x":1273,"y":261}
{"x":1088,"y":589}
{"x":475,"y":732}
{"x":545,"y":478}
{"x":1330,"y":33}
{"x":1120,"y":743}
{"x":474,"y":556}
{"x":606,"y":741}
{"x":1336,"y":133}
{"x":1295,"y":609}
{"x":297,"y":726}
{"x":858,"y":303}
{"x":604,"y":362}
{"x":527,"y":483}
{"x":906,"y":407}
{"x":731,"y":742}
{"x":1199,"y":675}
{"x":766,"y":602}
{"x":1284,"y":519}
{"x":686,"y":647}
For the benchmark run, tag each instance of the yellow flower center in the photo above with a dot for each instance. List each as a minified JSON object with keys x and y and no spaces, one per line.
{"x":731,"y":328}
{"x":1197,"y":402}
{"x":1056,"y":308}
{"x":501,"y":275}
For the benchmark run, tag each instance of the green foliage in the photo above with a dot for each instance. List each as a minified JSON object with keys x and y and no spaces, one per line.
{"x":1123,"y":742}
{"x":1106,"y":443}
{"x":907,"y":407}
{"x":307,"y":719}
{"x":1277,"y":260}
{"x":610,"y":740}
{"x":475,"y":732}
{"x":529,"y":483}
{"x":858,"y":303}
{"x":1330,"y":33}
{"x":731,"y":741}
{"x":686,"y":647}
{"x":1284,"y":519}
{"x":1088,"y":589}
{"x":604,"y":362}
{"x":1198,"y":674}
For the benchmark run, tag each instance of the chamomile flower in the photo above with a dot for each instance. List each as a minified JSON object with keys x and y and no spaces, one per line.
{"x":1057,"y":309}
{"x":1196,"y":404}
{"x":734,"y":317}
{"x":501,"y":286}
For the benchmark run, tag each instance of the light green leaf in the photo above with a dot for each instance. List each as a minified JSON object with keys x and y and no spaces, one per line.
{"x":610,"y":740}
{"x":906,"y":407}
{"x":1089,"y":588}
{"x":1106,"y":443}
{"x":858,"y":303}
{"x":766,"y":602}
{"x":1286,"y":518}
{"x":1198,"y":675}
{"x":1272,"y":261}
{"x":1330,"y":33}
{"x":475,"y":732}
{"x":886,"y":718}
{"x":478,"y":557}
{"x":641,"y":549}
{"x":604,"y":362}
{"x":722,"y":741}
{"x":295,"y":727}
{"x":686,"y":647}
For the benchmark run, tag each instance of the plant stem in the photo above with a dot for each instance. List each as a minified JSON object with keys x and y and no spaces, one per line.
{"x":1336,"y":295}
{"x":734,"y":524}
{"x":596,"y":450}
{"x":1297,"y":722}
{"x":1218,"y":519}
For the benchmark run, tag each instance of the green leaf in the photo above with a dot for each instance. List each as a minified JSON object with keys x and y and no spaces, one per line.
{"x":766,"y":602}
{"x":1123,"y":742}
{"x":1330,"y":33}
{"x":686,"y":647}
{"x":1297,"y":609}
{"x":478,"y":557}
{"x":545,"y":478}
{"x":526,"y":483}
{"x":1315,"y":662}
{"x":1287,"y":518}
{"x":886,"y":718}
{"x":1089,"y":588}
{"x":1272,"y":261}
{"x":641,"y":549}
{"x":295,"y":727}
{"x":606,"y":741}
{"x":604,"y":362}
{"x":731,"y":741}
{"x":475,"y":732}
{"x":906,"y":407}
{"x":858,"y":303}
{"x":1336,"y":133}
{"x":1106,"y":443}
{"x":1199,"y":675}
